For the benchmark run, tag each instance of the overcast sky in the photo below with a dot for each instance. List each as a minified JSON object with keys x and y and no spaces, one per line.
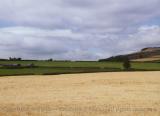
{"x":77,"y":29}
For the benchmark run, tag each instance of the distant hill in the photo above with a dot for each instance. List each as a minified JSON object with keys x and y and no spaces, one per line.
{"x":146,"y":54}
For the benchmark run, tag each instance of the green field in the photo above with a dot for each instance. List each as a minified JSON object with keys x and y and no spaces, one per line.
{"x":60,"y":67}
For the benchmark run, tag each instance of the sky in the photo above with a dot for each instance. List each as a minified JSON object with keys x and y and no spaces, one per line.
{"x":77,"y":29}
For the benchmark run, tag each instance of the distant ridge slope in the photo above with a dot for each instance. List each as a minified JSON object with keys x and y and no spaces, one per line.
{"x":146,"y":54}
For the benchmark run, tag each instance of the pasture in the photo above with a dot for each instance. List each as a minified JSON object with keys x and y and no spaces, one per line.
{"x":64,"y":67}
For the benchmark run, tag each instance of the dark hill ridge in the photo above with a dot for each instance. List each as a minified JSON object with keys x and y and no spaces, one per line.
{"x":146,"y":54}
{"x":150,"y":49}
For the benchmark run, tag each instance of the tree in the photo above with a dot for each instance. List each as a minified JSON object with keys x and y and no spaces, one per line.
{"x":15,"y":59}
{"x":126,"y":64}
{"x":50,"y":59}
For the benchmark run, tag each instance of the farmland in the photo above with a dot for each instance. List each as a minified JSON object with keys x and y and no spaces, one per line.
{"x":91,"y":94}
{"x":63,"y":67}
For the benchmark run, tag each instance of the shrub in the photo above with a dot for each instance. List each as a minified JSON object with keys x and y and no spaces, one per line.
{"x":126,"y":64}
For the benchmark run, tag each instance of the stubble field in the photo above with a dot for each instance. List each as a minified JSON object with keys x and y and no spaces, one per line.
{"x":92,"y":94}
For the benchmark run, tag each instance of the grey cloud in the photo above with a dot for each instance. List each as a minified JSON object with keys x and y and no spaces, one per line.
{"x":76,"y":29}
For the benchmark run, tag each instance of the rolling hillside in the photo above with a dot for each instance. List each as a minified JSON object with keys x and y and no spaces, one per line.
{"x":146,"y":54}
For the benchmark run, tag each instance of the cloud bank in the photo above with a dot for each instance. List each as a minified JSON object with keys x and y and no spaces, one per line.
{"x":77,"y":29}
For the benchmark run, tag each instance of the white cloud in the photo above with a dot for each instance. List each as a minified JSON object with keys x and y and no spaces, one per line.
{"x":30,"y":31}
{"x":146,"y":36}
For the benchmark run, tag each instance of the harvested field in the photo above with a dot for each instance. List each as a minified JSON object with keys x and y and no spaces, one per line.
{"x":154,"y":58}
{"x":92,"y":94}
